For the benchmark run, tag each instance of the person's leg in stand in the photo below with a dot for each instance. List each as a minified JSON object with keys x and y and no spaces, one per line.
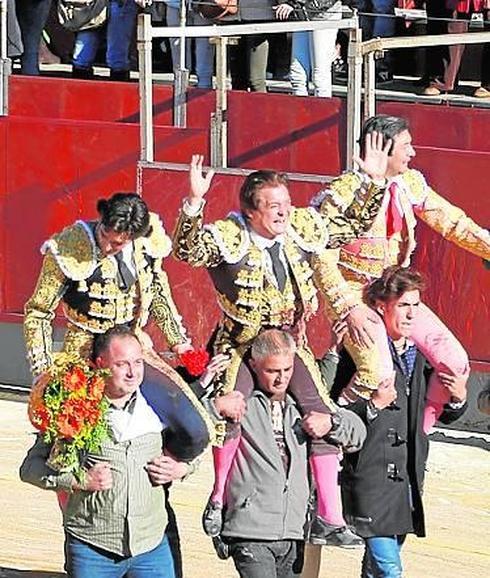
{"x":322,"y":51}
{"x":300,"y":63}
{"x":120,"y":29}
{"x":85,"y":51}
{"x":258,"y":54}
{"x":204,"y":55}
{"x":444,"y":352}
{"x":31,"y":16}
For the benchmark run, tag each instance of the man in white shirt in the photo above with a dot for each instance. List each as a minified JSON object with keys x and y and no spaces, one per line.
{"x":115,"y":518}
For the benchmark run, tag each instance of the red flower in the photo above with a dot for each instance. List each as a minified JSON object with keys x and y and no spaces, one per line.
{"x":40,"y":418}
{"x":195,"y":361}
{"x":96,"y":388}
{"x":75,"y":380}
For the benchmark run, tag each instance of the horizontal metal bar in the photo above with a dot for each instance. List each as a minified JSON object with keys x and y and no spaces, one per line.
{"x":378,"y":44}
{"x":179,"y":167}
{"x":246,"y":29}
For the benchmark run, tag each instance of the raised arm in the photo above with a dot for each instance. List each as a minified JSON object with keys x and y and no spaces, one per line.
{"x":191,"y":242}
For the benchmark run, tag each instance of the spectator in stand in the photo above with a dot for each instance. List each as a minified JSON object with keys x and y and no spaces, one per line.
{"x":204,"y":50}
{"x":312,"y":52}
{"x":119,"y":29}
{"x":443,"y":62}
{"x":32,"y":16}
{"x":378,"y":20}
{"x":248,"y":60}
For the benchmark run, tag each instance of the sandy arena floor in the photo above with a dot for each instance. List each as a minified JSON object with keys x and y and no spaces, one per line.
{"x":457,"y":510}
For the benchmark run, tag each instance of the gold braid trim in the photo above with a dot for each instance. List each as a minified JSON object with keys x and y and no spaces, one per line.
{"x":231,"y":236}
{"x":154,"y":360}
{"x":307,"y":229}
{"x":307,"y":357}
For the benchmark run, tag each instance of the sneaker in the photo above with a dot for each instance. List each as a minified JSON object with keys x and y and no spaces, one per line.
{"x":212,"y":519}
{"x":324,"y":534}
{"x":482,"y":92}
{"x":221,"y":548}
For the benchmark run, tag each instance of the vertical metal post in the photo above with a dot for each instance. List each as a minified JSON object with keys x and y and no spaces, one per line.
{"x":219,"y":120}
{"x":369,"y":85}
{"x":354,"y":89}
{"x":181,"y":75}
{"x":4,"y":60}
{"x":145,"y":88}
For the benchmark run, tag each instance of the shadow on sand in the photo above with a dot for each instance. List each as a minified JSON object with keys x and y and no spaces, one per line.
{"x":14,"y":573}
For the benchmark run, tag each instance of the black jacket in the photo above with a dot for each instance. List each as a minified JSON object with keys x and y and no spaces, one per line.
{"x":382,"y":483}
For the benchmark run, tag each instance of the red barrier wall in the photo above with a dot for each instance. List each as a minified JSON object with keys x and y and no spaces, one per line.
{"x":53,"y":168}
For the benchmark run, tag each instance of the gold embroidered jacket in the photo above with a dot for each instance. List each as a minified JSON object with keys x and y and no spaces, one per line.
{"x":237,"y":266}
{"x":355,"y":264}
{"x":74,"y":273}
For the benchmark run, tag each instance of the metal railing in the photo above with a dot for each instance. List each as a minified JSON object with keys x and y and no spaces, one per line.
{"x":369,"y":50}
{"x":221,"y":36}
{"x":4,"y":60}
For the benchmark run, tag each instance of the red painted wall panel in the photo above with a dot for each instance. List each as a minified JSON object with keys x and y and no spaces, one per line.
{"x":55,"y":171}
{"x":52,"y":171}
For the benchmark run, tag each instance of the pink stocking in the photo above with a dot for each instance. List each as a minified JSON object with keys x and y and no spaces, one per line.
{"x":223,"y":458}
{"x":325,"y":470}
{"x":444,"y":352}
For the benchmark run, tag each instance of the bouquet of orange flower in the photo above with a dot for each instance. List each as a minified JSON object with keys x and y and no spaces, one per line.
{"x":67,"y":405}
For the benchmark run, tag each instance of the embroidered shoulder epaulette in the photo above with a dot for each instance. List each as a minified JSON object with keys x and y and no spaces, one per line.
{"x":308,"y":229}
{"x":231,"y":236}
{"x":341,"y":189}
{"x":415,"y":186}
{"x":73,"y":250}
{"x":158,"y":245}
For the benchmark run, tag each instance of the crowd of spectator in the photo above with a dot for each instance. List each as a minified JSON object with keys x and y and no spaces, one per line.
{"x":300,"y":57}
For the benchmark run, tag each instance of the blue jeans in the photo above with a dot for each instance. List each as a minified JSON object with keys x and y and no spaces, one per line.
{"x":378,"y":24}
{"x":86,"y":561}
{"x":120,"y":27}
{"x":382,"y":557}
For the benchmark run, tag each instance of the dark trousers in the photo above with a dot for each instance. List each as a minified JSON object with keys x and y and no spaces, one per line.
{"x":32,"y":16}
{"x":264,"y":559}
{"x":443,"y":62}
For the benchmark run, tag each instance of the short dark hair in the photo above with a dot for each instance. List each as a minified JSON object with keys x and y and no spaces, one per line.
{"x":125,"y":213}
{"x":394,"y":282}
{"x":254,"y":183}
{"x":388,"y":126}
{"x":102,"y":341}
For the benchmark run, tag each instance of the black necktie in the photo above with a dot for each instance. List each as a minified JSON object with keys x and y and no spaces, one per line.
{"x":125,"y":277}
{"x":277,"y":266}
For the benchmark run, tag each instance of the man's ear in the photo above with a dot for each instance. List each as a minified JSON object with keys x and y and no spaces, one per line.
{"x":380,"y":307}
{"x":253,"y":364}
{"x":99,"y":361}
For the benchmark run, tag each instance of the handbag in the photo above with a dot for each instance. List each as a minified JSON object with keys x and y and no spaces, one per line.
{"x":311,"y":9}
{"x":76,"y":15}
{"x":215,"y":9}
